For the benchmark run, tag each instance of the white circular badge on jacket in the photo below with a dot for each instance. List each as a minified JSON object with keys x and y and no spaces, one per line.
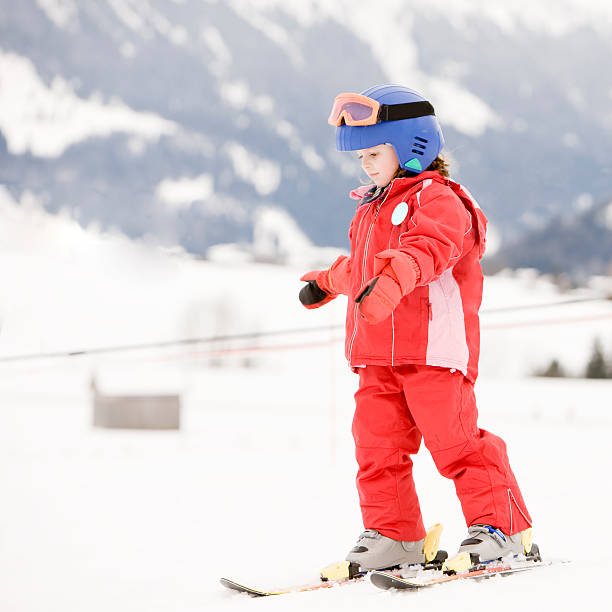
{"x":400,"y":213}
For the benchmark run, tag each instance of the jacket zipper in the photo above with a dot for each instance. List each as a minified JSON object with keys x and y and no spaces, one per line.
{"x":363,"y":267}
{"x":410,"y":193}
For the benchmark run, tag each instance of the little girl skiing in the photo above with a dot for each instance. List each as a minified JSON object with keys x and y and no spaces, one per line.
{"x":414,"y":286}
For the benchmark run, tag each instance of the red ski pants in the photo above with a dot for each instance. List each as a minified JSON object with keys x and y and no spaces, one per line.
{"x":395,"y":408}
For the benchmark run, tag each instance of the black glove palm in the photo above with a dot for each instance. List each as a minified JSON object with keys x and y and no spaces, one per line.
{"x":311,"y":294}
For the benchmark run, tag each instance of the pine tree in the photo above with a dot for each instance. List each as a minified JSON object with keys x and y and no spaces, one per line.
{"x":597,"y":366}
{"x":554,"y":370}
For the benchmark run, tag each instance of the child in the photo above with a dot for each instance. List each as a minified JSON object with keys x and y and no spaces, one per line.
{"x":414,"y":284}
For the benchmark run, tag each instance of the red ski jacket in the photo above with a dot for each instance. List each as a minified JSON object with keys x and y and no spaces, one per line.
{"x":436,"y":222}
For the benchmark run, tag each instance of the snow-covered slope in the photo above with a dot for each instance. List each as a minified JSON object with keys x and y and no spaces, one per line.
{"x":258,"y":483}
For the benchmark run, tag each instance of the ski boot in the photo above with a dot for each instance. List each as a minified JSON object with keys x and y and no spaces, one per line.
{"x":376,"y":551}
{"x":486,"y":544}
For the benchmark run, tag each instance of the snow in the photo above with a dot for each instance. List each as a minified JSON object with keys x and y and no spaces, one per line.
{"x":237,"y":94}
{"x":550,"y":17}
{"x":494,"y":239}
{"x":466,"y":113}
{"x":276,"y":238}
{"x":258,"y":484}
{"x":128,"y":15}
{"x":45,"y":120}
{"x":606,"y":215}
{"x":262,"y":173}
{"x":217,"y":45}
{"x":583,"y":203}
{"x":61,"y":12}
{"x":142,"y":18}
{"x":259,"y":19}
{"x":290,"y":134}
{"x":516,"y":341}
{"x":388,"y":33}
{"x":182,"y":192}
{"x":399,"y":60}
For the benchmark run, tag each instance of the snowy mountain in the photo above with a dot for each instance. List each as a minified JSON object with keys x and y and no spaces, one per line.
{"x":575,"y":245}
{"x":182,"y":119}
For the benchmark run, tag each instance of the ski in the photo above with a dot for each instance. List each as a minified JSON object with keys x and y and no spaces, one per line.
{"x":253,"y":592}
{"x":386,"y":580}
{"x":332,"y":576}
{"x":346,"y":572}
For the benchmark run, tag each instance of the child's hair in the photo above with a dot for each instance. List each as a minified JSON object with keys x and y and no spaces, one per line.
{"x":440,"y":164}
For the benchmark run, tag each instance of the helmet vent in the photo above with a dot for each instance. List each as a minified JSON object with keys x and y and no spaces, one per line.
{"x":417,"y":147}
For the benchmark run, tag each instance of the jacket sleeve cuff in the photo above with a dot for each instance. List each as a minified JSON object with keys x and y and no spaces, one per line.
{"x":415,"y":267}
{"x":338,"y":275}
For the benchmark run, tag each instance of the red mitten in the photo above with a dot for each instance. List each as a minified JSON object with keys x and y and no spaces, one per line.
{"x":405,"y":269}
{"x":324,"y":285}
{"x":397,"y":275}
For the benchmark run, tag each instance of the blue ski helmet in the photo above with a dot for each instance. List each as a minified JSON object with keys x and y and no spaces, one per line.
{"x":416,"y":141}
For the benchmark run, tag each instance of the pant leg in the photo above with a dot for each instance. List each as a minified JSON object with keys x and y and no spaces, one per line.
{"x":385,"y":437}
{"x":443,"y":406}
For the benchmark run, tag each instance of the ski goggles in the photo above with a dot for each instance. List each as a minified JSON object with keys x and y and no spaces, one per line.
{"x":356,"y":109}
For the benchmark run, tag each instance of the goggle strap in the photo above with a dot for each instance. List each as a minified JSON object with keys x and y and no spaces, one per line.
{"x":408,"y":110}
